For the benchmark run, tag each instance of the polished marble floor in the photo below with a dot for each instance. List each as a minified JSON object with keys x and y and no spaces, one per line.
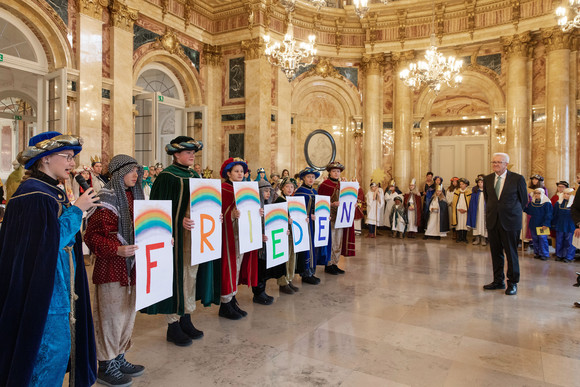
{"x":407,"y":313}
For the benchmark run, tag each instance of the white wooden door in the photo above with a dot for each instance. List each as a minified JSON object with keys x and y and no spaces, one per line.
{"x":465,"y":156}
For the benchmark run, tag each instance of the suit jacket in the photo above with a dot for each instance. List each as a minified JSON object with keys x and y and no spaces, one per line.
{"x":508,"y":209}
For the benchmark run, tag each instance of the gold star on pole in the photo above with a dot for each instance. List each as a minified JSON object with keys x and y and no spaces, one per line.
{"x":378,"y":175}
{"x":207,"y":173}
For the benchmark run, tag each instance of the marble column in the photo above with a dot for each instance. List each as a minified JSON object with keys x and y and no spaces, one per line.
{"x":402,"y":121}
{"x":573,"y":110}
{"x":557,"y":106}
{"x":257,"y":146}
{"x":518,"y":119}
{"x":211,"y":72}
{"x":90,"y":65}
{"x":122,"y":136}
{"x":373,"y":113}
{"x":284,"y":157}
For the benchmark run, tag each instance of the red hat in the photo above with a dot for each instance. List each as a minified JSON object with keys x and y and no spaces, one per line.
{"x":230,"y":163}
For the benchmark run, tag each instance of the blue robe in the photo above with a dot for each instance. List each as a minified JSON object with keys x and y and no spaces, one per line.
{"x":562,"y":218}
{"x":472,"y":210}
{"x":304,"y":258}
{"x":34,"y":271}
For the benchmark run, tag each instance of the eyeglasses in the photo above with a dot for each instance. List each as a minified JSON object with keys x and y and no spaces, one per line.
{"x":498,"y":162}
{"x":68,"y":158}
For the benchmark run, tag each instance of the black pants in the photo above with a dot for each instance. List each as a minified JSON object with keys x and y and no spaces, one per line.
{"x":501,"y":241}
{"x":371,"y":228}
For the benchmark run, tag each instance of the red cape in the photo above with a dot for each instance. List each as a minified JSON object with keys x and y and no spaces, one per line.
{"x":249,"y":267}
{"x":417,"y":206}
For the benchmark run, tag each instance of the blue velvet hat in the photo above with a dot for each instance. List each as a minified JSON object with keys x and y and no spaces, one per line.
{"x":309,"y":171}
{"x":47,"y":143}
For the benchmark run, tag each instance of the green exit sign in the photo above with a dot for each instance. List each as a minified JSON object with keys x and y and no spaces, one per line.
{"x":160,"y":98}
{"x":18,"y":118}
{"x":1,"y":57}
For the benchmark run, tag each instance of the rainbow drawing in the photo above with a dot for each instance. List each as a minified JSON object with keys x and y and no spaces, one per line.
{"x":247,"y":195}
{"x":322,"y":206}
{"x":152,"y":219}
{"x":205,"y":195}
{"x":275,"y":215}
{"x":297,"y":207}
{"x":348,"y":191}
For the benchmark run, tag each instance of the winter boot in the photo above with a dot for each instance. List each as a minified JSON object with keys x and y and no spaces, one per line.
{"x":127,"y":368}
{"x":176,"y":335}
{"x":227,"y":310}
{"x":188,"y":328}
{"x":237,"y":307}
{"x":109,"y":374}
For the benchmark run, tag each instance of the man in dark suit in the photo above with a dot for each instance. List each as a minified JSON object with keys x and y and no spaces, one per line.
{"x":506,"y":196}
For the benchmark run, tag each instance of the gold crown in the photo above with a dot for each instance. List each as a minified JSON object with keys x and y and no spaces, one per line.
{"x":95,"y":159}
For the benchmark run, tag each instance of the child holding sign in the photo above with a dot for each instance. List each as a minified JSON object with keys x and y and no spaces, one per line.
{"x":114,"y":273}
{"x":307,"y":260}
{"x":236,"y":268}
{"x":172,"y":183}
{"x":287,"y":187}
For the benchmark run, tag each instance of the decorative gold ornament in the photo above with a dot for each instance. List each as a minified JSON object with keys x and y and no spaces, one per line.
{"x":92,"y":8}
{"x":122,"y":16}
{"x":207,"y":173}
{"x":324,"y":69}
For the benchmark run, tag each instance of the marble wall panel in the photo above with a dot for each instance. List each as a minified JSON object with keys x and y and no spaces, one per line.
{"x":388,"y":138}
{"x":227,"y":130}
{"x":274,"y":89}
{"x":106,"y":45}
{"x":106,"y":134}
{"x":539,"y":149}
{"x":61,"y":8}
{"x":539,"y":76}
{"x":388,"y":88}
{"x":457,"y":106}
{"x":274,"y":150}
{"x":236,"y":78}
{"x":72,"y":25}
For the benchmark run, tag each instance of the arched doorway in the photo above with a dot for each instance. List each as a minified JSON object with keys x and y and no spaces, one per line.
{"x":161,"y":113}
{"x":31,"y":99}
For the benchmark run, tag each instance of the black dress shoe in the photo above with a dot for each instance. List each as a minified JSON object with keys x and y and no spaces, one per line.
{"x":236,"y":306}
{"x":286,"y":289}
{"x":544,"y":258}
{"x":295,"y":288}
{"x":494,"y":286}
{"x":188,"y":328}
{"x":316,"y":279}
{"x":176,"y":335}
{"x":331,"y":269}
{"x":577,"y":304}
{"x":512,"y":289}
{"x":339,"y":270}
{"x":263,"y":299}
{"x":227,"y":311}
{"x":309,"y":280}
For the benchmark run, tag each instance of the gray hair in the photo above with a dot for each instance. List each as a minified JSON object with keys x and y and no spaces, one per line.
{"x":505,"y":156}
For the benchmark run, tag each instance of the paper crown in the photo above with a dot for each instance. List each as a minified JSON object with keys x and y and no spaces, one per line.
{"x":95,"y":159}
{"x":414,"y":181}
{"x":392,"y":184}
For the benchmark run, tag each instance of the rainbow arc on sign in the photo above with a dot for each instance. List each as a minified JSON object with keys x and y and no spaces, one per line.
{"x":247,"y":195}
{"x":206,"y":195}
{"x":348,"y":191}
{"x":153,"y":219}
{"x":275,"y":215}
{"x":322,"y":206}
{"x":297,"y":207}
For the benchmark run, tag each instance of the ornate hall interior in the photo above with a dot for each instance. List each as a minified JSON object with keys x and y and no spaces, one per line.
{"x":130,"y":75}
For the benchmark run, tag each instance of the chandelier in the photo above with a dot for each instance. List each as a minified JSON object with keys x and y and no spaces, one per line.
{"x":361,"y":7}
{"x":286,"y":55}
{"x":435,"y":71}
{"x":563,"y":12}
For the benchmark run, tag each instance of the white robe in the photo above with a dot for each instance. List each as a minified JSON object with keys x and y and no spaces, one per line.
{"x":461,"y":205}
{"x":449,"y":198}
{"x":389,"y":202}
{"x":480,"y":228}
{"x":412,"y":215}
{"x":434,"y":225}
{"x":374,"y":207}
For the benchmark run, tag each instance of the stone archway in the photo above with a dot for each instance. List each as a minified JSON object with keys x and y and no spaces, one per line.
{"x":329,"y":104}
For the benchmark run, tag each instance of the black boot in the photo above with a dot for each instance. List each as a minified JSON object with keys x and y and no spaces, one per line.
{"x":237,"y":307}
{"x":130,"y":369}
{"x":109,"y":374}
{"x":188,"y":328}
{"x":176,"y":335}
{"x":227,"y":310}
{"x":263,"y":299}
{"x":465,"y":237}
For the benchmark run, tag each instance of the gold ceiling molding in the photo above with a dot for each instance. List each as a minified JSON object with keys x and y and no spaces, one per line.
{"x":470,"y":10}
{"x":516,"y":12}
{"x":439,"y":21}
{"x":338,"y":34}
{"x":324,"y":69}
{"x":164,"y":8}
{"x":253,"y":49}
{"x":372,"y":64}
{"x":187,"y":12}
{"x":555,"y":39}
{"x":518,"y":45}
{"x":92,"y":8}
{"x":122,"y":16}
{"x":402,"y":18}
{"x":212,"y":55}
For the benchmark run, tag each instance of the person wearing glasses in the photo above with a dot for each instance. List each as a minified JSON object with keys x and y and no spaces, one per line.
{"x":506,"y":196}
{"x":45,"y":314}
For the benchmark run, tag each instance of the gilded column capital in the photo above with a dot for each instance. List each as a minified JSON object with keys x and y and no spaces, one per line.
{"x":122,"y":16}
{"x":212,"y":55}
{"x":253,"y":49}
{"x":372,"y":64}
{"x":556,"y":39}
{"x":518,"y":45}
{"x":92,"y":8}
{"x":401,"y":58}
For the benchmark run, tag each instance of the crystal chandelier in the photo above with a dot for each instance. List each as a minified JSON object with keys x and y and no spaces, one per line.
{"x":361,"y":7}
{"x":563,"y":12}
{"x":435,"y":71}
{"x":286,"y":55}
